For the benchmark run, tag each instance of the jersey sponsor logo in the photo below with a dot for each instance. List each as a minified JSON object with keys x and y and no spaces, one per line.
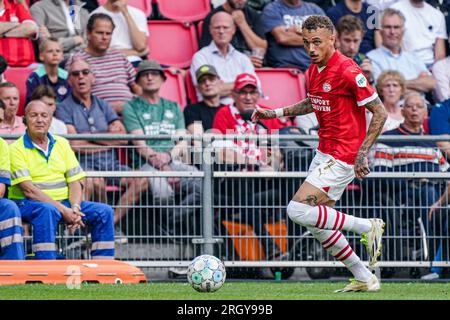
{"x":62,"y":90}
{"x":326,"y":87}
{"x":320,"y":104}
{"x":361,"y":81}
{"x":169,"y":114}
{"x":146,"y":116}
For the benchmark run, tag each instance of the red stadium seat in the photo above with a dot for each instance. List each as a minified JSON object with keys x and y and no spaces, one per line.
{"x":200,"y":28}
{"x":281,"y":86}
{"x":173,"y":88}
{"x":190,"y":88}
{"x":19,"y":77}
{"x":172,"y":43}
{"x":144,"y":5}
{"x":184,"y":11}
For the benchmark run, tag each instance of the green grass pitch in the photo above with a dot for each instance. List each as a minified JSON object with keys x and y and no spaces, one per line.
{"x":231,"y":290}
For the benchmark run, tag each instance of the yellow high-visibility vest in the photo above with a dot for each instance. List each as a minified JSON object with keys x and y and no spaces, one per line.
{"x":51,"y":173}
{"x":5,"y":170}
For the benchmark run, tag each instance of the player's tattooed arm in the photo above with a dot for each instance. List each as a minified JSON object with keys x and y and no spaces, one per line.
{"x":374,"y":130}
{"x":297,"y":109}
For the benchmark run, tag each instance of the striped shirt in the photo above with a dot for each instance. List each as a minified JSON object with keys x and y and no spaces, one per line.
{"x":18,"y":52}
{"x":114,"y":75}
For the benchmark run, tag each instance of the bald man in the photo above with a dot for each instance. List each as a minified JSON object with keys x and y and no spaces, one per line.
{"x":222,"y":55}
{"x":46,"y":185}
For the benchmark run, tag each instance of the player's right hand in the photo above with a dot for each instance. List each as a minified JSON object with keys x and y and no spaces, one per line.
{"x":262,"y":114}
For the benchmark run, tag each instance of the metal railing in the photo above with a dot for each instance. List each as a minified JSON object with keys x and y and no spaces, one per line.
{"x":239,"y":213}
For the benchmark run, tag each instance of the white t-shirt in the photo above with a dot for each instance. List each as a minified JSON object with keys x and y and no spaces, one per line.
{"x":57,"y":127}
{"x":121,"y":38}
{"x":422,"y":27}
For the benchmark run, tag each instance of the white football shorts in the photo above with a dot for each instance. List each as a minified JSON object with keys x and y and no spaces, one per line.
{"x":330,"y":175}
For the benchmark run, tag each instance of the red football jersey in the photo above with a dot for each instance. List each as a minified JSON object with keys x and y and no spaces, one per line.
{"x":18,"y":52}
{"x":338,"y":93}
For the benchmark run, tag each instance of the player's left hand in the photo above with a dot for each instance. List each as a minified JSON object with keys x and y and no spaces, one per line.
{"x":361,"y":166}
{"x":260,"y":114}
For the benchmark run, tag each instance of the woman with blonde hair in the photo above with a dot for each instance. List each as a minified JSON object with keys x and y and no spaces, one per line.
{"x":391,"y":86}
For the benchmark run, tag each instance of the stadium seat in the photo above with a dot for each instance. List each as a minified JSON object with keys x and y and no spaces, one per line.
{"x":190,"y":88}
{"x":144,"y":5}
{"x":184,"y":11}
{"x":281,"y":86}
{"x":200,"y":28}
{"x":172,"y":43}
{"x":173,"y":88}
{"x":19,"y":77}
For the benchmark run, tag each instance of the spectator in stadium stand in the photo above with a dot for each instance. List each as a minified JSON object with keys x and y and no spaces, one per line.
{"x":199,"y":117}
{"x":439,"y":123}
{"x":412,"y":156}
{"x":243,"y":155}
{"x":3,"y":66}
{"x":114,"y":74}
{"x":281,"y":22}
{"x":258,"y":5}
{"x":425,"y":30}
{"x":350,"y":33}
{"x":151,"y":114}
{"x":222,"y":55}
{"x":17,"y":29}
{"x":11,"y":242}
{"x":359,"y":9}
{"x":89,"y":5}
{"x":47,"y":186}
{"x":47,"y":95}
{"x":380,"y":5}
{"x":391,"y":86}
{"x":247,"y":37}
{"x":11,"y":122}
{"x":56,"y":19}
{"x":83,"y":112}
{"x":391,"y":55}
{"x":49,"y":73}
{"x":131,"y":31}
{"x":441,"y":72}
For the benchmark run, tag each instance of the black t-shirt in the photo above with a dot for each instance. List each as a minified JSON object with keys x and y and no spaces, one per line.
{"x":200,"y":112}
{"x":238,"y":41}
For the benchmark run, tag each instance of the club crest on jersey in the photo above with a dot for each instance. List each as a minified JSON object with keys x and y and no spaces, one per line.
{"x":361,"y":81}
{"x":326,"y":87}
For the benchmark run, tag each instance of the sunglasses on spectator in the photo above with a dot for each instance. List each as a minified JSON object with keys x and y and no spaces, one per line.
{"x":77,"y":73}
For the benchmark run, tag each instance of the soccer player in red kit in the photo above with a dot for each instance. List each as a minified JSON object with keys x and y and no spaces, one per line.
{"x":338,"y":93}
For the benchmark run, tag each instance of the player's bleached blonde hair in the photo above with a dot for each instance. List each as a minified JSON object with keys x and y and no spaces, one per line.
{"x":391,"y":75}
{"x":317,"y":22}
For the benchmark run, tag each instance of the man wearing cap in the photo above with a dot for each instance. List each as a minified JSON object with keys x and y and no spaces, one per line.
{"x":83,"y":112}
{"x":246,"y":155}
{"x":199,"y":117}
{"x":150,"y":114}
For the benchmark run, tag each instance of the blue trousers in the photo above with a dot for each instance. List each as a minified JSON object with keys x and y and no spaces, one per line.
{"x":11,"y":242}
{"x":44,"y":217}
